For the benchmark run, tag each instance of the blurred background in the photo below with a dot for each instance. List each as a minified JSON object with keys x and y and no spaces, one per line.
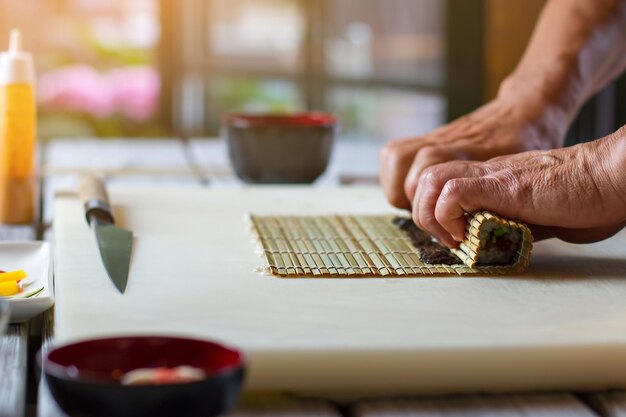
{"x":387,"y":68}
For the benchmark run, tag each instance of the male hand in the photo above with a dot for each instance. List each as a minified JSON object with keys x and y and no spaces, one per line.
{"x":577,"y":194}
{"x":501,"y":127}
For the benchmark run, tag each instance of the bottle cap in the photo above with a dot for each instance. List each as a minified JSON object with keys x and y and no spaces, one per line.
{"x":16,"y":66}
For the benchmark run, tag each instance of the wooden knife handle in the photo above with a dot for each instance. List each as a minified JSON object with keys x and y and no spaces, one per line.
{"x":93,"y":194}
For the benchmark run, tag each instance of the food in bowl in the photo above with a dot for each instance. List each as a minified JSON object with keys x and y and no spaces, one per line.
{"x":163,"y":375}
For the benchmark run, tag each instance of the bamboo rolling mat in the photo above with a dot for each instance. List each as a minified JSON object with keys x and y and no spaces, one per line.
{"x":365,"y":246}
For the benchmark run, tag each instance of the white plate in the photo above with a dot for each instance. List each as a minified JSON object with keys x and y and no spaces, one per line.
{"x":34,"y":258}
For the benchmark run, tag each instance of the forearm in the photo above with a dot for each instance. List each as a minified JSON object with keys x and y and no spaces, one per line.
{"x":578,"y":46}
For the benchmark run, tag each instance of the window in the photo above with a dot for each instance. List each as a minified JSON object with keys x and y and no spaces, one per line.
{"x":378,"y":64}
{"x":387,"y":68}
{"x":96,"y":62}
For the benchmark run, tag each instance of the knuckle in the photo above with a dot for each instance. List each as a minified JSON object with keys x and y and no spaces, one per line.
{"x":395,"y":153}
{"x":385,"y":153}
{"x":508,"y":181}
{"x":499,"y":159}
{"x":428,"y":152}
{"x":431,"y":175}
{"x":452,"y":189}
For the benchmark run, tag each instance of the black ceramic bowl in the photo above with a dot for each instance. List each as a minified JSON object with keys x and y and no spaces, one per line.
{"x":293,"y":148}
{"x":84,"y":377}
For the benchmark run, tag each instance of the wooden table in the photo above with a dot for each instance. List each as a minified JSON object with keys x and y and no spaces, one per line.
{"x":14,"y":348}
{"x":202,"y":163}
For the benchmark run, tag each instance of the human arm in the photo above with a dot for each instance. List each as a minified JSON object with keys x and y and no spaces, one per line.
{"x":577,"y":47}
{"x":576,"y":194}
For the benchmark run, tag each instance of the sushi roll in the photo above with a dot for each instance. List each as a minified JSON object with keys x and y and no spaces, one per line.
{"x":492,"y":241}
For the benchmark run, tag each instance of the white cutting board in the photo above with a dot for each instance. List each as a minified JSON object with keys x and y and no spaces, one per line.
{"x":560,"y":325}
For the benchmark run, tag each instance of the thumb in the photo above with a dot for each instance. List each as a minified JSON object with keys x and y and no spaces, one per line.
{"x":467,"y":195}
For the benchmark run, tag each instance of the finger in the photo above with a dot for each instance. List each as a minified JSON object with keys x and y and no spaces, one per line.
{"x":425,"y":157}
{"x":395,"y":161}
{"x":468,"y":195}
{"x":431,"y":155}
{"x":431,"y":183}
{"x":423,"y":204}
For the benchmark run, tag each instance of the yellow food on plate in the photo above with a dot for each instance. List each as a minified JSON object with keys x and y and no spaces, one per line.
{"x":12,"y":276}
{"x":9,"y":288}
{"x":10,"y":282}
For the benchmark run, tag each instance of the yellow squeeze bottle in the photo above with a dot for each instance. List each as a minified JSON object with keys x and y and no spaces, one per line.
{"x":17,"y":134}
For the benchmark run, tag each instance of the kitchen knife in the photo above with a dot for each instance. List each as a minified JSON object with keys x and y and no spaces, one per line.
{"x":115,"y":244}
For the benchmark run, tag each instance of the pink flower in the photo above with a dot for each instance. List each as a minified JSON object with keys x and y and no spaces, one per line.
{"x":132,"y":92}
{"x":135,"y":92}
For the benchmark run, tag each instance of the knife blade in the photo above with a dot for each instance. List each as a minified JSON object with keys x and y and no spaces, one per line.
{"x":114,"y":243}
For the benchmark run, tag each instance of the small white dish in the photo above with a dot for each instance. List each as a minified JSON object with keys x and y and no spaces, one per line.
{"x":35,"y":259}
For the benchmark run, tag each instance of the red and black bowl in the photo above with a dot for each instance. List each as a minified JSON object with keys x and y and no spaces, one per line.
{"x":84,"y":377}
{"x":280,"y":148}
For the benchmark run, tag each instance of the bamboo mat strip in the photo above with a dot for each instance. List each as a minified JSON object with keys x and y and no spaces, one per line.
{"x":364,"y":246}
